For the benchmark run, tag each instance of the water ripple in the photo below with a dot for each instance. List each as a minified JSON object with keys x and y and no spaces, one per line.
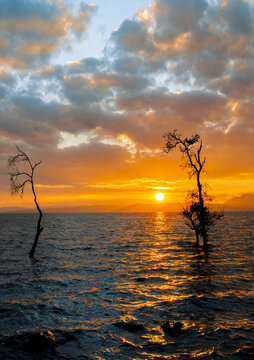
{"x":96,"y":270}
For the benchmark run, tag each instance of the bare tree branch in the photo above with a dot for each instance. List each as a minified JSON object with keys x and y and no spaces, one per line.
{"x":18,"y":180}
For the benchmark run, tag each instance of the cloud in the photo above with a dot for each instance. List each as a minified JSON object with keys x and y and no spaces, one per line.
{"x":174,"y":17}
{"x":132,"y":36}
{"x":79,"y":22}
{"x":237,"y":15}
{"x":179,"y":64}
{"x":87,"y":66}
{"x":81,"y":164}
{"x":17,"y":9}
{"x":134,"y":64}
{"x":31,"y":31}
{"x":58,"y":186}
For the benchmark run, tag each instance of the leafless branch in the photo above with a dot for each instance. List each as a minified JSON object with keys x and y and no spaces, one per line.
{"x":18,"y":179}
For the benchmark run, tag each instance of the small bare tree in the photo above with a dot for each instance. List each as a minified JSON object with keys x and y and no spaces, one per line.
{"x":199,"y":218}
{"x":18,"y":179}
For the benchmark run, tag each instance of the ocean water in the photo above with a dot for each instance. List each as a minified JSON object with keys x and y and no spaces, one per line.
{"x":104,"y":285}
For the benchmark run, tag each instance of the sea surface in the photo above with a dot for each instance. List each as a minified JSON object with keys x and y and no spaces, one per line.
{"x":126,"y":286}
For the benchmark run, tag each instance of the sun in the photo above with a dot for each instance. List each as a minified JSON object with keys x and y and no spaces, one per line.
{"x":159,"y":196}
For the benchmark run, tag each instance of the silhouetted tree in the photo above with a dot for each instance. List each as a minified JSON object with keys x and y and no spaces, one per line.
{"x":18,"y":179}
{"x":199,"y":218}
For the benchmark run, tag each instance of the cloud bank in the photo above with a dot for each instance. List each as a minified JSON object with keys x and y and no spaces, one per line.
{"x":185,"y":64}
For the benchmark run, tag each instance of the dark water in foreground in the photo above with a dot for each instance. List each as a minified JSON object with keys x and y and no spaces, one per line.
{"x":96,"y":270}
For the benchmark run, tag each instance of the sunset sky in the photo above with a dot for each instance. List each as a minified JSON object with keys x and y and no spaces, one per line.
{"x":90,"y":89}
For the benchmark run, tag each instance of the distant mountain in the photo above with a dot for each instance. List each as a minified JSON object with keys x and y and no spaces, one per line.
{"x":79,"y":209}
{"x":14,"y":209}
{"x":169,"y":207}
{"x":243,"y":202}
{"x":59,"y":209}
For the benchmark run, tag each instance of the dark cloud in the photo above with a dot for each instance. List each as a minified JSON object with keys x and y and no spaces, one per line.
{"x":238,"y":16}
{"x":18,"y":9}
{"x":79,"y":90}
{"x":174,"y":17}
{"x":138,"y":65}
{"x":132,"y":36}
{"x":238,"y":82}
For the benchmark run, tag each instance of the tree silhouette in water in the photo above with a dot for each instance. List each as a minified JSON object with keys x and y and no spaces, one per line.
{"x":198,"y":216}
{"x":22,"y":173}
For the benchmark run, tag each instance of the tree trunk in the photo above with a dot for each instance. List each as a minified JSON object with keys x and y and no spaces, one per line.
{"x":39,"y":227}
{"x":197,"y":237}
{"x":202,"y":212}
